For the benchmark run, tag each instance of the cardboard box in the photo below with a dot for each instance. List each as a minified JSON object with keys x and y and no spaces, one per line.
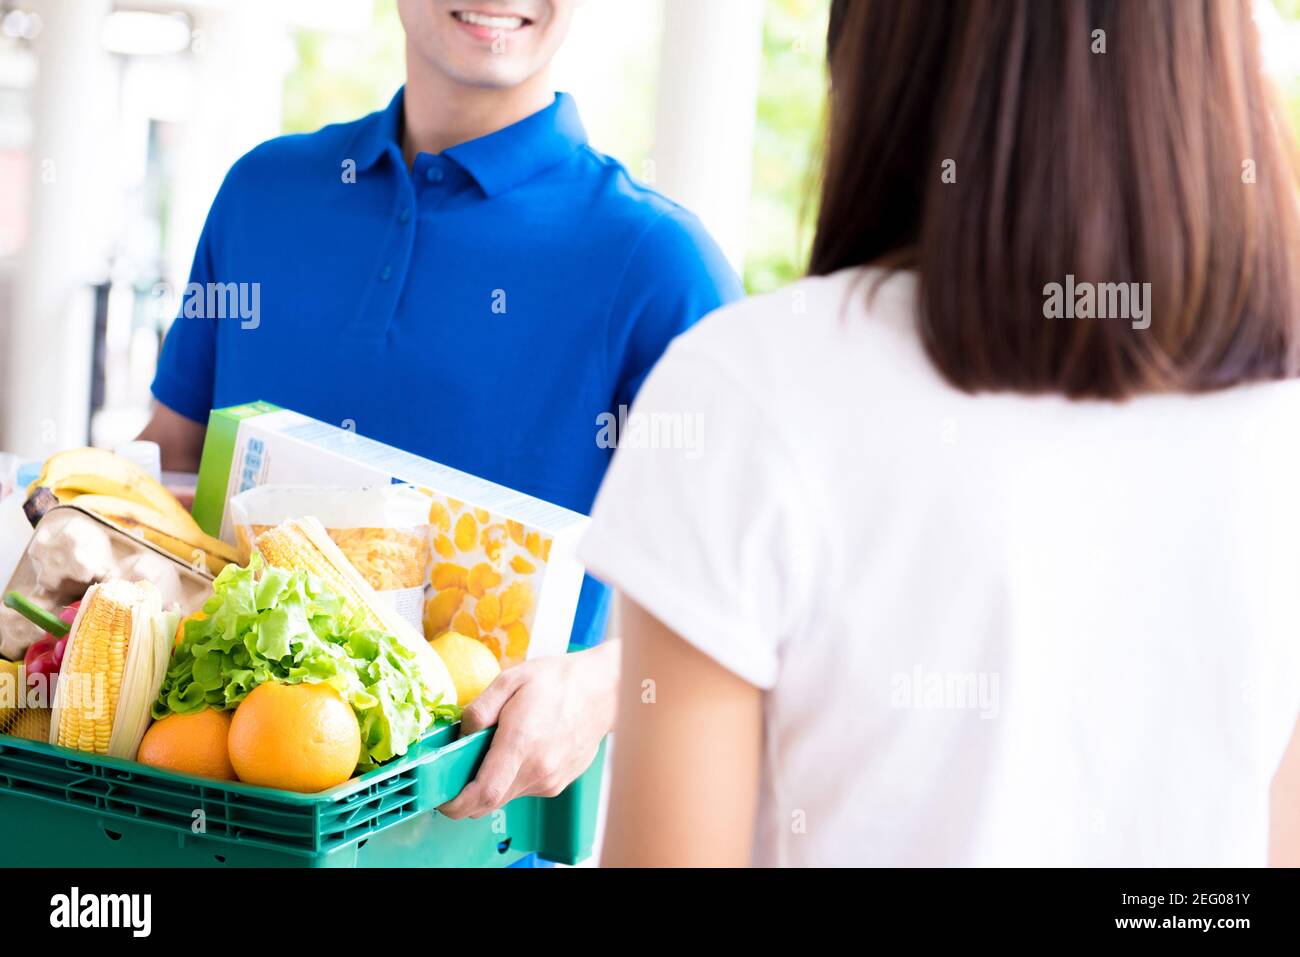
{"x":504,"y":568}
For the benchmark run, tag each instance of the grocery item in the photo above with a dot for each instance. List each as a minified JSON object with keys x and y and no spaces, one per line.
{"x":122,"y":492}
{"x":383,"y":531}
{"x":113,"y":666}
{"x":270,"y":624}
{"x":70,"y":549}
{"x":70,"y":556}
{"x":99,"y":472}
{"x":180,"y":628}
{"x":473,"y":667}
{"x":301,"y":737}
{"x":11,"y":695}
{"x":54,"y":625}
{"x":190,"y":744}
{"x":303,"y":544}
{"x":486,"y":578}
{"x":30,"y":724}
{"x":44,"y":656}
{"x":521,"y":597}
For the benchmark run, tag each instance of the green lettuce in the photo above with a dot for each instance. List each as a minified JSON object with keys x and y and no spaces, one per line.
{"x":268,"y":624}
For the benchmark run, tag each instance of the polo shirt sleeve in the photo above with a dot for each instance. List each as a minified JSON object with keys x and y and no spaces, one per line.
{"x":676,"y":275}
{"x":186,"y":369}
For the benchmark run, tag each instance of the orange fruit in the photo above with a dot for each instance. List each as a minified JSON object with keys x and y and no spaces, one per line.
{"x":297,"y":737}
{"x":180,"y":628}
{"x":190,"y":744}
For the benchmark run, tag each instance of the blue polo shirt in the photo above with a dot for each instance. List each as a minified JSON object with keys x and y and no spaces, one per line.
{"x":481,"y":309}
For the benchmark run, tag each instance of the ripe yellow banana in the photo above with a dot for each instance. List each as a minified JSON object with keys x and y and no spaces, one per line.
{"x":192,"y":555}
{"x":183,"y":542}
{"x":101,"y":472}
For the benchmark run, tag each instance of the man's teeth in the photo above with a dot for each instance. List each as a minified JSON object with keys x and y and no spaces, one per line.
{"x":489,"y":21}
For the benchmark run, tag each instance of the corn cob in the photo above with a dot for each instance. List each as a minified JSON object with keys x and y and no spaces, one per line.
{"x":112,"y":669}
{"x":303,"y":544}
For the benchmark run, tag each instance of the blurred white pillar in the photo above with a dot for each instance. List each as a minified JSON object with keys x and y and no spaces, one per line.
{"x":47,"y":369}
{"x":703,"y":156}
{"x":239,"y":60}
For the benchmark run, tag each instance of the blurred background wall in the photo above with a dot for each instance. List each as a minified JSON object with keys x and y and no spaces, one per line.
{"x":118,"y":119}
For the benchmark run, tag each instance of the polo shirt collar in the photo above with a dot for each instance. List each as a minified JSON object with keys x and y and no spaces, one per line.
{"x":378,"y":133}
{"x":510,"y":156}
{"x":498,"y":161}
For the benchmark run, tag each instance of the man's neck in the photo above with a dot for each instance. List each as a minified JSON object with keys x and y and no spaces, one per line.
{"x":439,"y":113}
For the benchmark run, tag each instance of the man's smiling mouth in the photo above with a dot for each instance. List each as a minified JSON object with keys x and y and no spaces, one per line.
{"x":491,"y":21}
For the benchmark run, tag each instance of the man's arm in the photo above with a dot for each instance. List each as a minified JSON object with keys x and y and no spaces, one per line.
{"x":180,"y":440}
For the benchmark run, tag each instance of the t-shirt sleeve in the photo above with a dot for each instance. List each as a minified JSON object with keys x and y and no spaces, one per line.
{"x":701,"y":519}
{"x":185,"y":376}
{"x":675,"y":276}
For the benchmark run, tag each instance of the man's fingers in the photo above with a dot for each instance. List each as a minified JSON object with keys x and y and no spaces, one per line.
{"x":484,"y":710}
{"x":491,"y":786}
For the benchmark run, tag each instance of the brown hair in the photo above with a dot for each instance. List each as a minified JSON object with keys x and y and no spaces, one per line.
{"x":1161,"y":160}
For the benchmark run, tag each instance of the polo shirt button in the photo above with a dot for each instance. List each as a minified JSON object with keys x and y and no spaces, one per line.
{"x":433,"y":174}
{"x":386,"y":274}
{"x":404,"y":216}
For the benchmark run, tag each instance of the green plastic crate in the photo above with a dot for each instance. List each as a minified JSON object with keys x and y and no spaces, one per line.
{"x":62,"y":808}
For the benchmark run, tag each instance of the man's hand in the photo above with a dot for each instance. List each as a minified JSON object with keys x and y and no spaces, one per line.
{"x":551,"y":714}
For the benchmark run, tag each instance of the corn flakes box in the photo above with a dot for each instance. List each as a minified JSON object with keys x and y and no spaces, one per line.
{"x":503,"y":566}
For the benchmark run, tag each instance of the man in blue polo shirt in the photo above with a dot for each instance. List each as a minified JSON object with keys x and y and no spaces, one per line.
{"x":462,"y":276}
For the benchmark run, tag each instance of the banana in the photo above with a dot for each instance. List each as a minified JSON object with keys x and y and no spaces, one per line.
{"x":156,"y":527}
{"x":101,"y":472}
{"x":183,"y":550}
{"x":69,"y":487}
{"x":111,"y":486}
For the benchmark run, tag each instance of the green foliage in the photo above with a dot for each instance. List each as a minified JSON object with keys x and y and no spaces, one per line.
{"x":340,"y":78}
{"x":791,"y":102}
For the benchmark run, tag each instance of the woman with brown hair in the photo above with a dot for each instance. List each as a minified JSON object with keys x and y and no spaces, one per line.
{"x":986,"y":551}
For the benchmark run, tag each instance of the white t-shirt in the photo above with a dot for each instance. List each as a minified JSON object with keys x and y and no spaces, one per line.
{"x":991,"y":630}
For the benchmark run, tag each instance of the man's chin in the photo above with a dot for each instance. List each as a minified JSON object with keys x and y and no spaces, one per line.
{"x":496,"y":74}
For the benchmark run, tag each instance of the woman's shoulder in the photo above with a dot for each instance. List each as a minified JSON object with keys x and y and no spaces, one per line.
{"x":846,"y":323}
{"x":816,"y":300}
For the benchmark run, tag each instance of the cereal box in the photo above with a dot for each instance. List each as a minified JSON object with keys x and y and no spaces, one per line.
{"x":503,"y":568}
